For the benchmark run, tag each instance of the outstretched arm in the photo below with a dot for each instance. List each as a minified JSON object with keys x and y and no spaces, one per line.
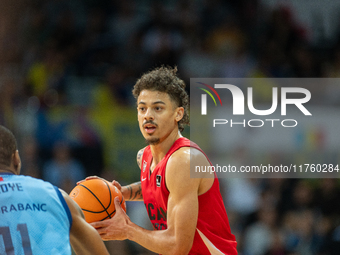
{"x":84,"y":238}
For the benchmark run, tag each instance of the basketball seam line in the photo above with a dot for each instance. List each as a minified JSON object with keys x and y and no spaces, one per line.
{"x":121,"y":202}
{"x":105,"y":209}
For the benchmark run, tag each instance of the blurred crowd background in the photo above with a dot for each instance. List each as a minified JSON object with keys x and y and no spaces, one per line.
{"x":66,"y":73}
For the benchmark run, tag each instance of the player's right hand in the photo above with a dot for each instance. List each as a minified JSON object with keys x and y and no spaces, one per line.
{"x":114,"y":228}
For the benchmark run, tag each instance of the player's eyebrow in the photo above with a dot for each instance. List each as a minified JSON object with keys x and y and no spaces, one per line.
{"x":156,"y":102}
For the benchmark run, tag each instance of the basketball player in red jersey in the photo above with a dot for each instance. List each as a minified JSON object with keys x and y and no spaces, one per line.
{"x":188,"y":214}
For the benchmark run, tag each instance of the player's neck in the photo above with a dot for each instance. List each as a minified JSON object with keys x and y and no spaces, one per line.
{"x":6,"y":169}
{"x":159,"y":150}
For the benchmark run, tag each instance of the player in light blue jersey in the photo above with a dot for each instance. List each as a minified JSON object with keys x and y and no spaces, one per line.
{"x":35,"y":216}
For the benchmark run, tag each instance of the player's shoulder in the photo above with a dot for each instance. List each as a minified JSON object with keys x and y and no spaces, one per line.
{"x":32,"y":181}
{"x":141,"y":151}
{"x":180,"y":157}
{"x":185,"y":154}
{"x":140,"y":156}
{"x":178,"y":170}
{"x":186,"y":157}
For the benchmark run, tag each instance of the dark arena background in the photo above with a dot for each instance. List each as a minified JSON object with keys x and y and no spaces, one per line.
{"x":67,"y":69}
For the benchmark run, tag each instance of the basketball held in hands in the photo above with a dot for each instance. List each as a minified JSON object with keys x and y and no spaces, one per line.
{"x":96,"y":198}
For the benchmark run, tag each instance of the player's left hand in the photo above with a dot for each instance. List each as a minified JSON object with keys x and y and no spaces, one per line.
{"x":114,"y":228}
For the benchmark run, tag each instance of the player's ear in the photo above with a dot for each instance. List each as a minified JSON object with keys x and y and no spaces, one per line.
{"x":179,"y":113}
{"x":16,"y":161}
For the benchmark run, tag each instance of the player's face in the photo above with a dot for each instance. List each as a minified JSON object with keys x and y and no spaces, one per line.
{"x":157,"y":116}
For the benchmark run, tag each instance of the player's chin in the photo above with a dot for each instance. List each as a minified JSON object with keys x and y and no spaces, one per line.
{"x":152,"y":140}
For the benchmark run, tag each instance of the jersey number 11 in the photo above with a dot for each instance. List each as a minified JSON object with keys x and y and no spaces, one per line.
{"x":25,"y":240}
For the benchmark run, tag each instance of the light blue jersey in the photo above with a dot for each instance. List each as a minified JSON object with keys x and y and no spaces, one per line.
{"x":34,"y":217}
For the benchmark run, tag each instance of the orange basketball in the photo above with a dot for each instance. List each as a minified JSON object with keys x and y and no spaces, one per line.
{"x":96,"y":198}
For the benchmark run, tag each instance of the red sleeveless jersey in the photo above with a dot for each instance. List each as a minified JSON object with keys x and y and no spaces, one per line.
{"x":213,"y":235}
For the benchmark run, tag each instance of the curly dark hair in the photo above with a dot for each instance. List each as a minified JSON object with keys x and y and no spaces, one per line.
{"x":165,"y":79}
{"x":8,"y":145}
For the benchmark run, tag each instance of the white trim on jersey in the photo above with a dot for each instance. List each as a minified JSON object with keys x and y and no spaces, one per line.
{"x":211,"y":247}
